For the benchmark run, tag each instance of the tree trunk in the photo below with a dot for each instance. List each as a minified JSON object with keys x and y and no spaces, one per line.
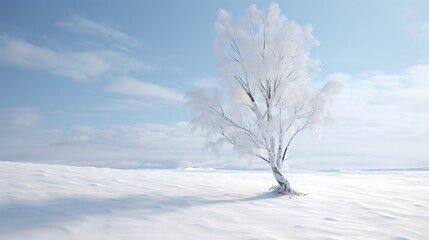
{"x":284,"y":185}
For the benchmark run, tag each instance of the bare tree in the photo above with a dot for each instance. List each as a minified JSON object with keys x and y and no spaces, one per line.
{"x":267,"y":97}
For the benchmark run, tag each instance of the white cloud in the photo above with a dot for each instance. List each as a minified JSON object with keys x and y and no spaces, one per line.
{"x":141,"y":145}
{"x":209,"y":82}
{"x":20,"y":118}
{"x":425,"y":30}
{"x":136,"y":88}
{"x":82,"y":25}
{"x":79,"y":66}
{"x":380,"y":120}
{"x":420,"y":29}
{"x":126,"y":105}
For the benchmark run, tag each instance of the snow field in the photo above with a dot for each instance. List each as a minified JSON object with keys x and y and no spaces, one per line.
{"x":61,"y":202}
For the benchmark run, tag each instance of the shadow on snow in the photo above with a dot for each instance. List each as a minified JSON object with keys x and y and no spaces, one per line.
{"x":28,"y":215}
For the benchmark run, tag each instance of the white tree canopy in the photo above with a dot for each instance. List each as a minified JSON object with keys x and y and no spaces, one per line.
{"x":267,"y":97}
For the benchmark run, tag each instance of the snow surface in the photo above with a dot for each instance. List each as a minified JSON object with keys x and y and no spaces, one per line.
{"x":61,"y":202}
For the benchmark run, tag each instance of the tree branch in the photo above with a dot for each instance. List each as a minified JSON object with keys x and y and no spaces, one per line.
{"x":252,"y":136}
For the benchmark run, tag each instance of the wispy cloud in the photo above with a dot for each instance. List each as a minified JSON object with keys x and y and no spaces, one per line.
{"x":209,"y":82}
{"x":141,"y":145}
{"x":79,"y":66}
{"x":420,"y":29}
{"x":126,"y":105}
{"x":86,"y":26}
{"x":20,"y":117}
{"x":380,"y":120}
{"x":424,"y":31}
{"x":136,"y":88}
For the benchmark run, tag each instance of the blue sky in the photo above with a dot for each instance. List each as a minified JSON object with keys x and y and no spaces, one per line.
{"x":101,"y":83}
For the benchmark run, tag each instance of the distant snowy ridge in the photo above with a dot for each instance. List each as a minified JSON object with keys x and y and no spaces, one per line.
{"x":195,"y":169}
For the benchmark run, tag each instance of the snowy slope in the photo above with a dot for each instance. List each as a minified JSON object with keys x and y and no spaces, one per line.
{"x":60,"y":202}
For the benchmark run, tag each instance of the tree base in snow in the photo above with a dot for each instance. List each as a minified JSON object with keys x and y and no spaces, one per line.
{"x":288,"y":192}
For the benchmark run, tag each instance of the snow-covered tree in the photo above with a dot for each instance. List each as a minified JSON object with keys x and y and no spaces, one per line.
{"x":267,"y":97}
